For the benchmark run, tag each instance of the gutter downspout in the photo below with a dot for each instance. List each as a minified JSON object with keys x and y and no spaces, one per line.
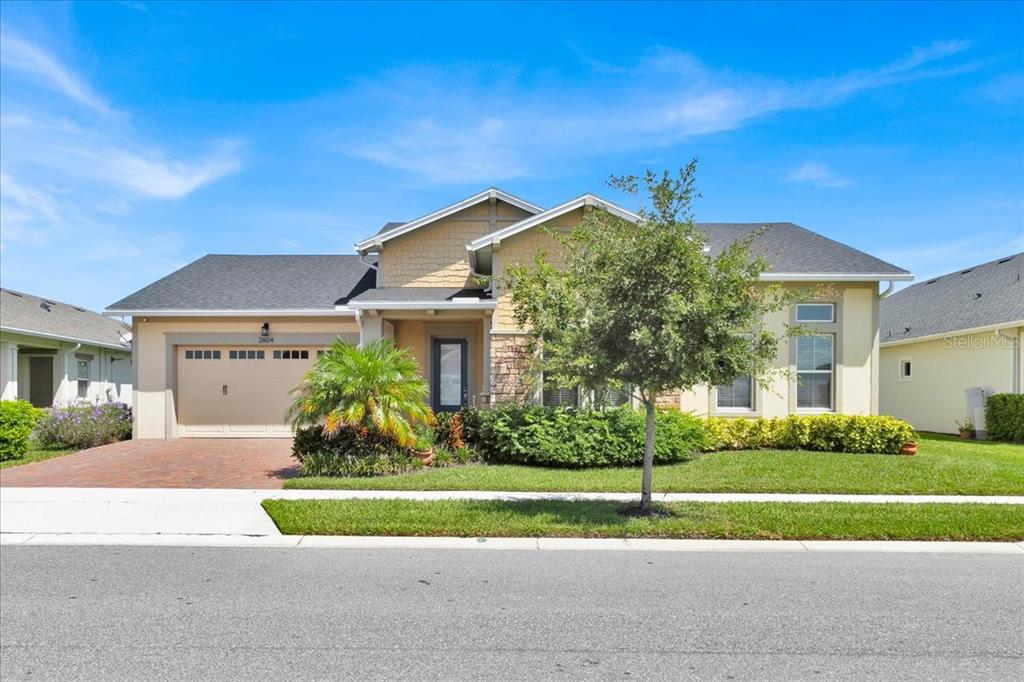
{"x":373,"y":266}
{"x":887,"y":292}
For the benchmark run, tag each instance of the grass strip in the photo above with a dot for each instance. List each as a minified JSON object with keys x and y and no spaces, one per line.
{"x":944,"y":466}
{"x":733,"y":520}
{"x":34,"y":456}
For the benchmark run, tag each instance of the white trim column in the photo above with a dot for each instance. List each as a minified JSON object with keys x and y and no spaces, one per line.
{"x":485,"y":380}
{"x":371,"y":326}
{"x":8,"y":371}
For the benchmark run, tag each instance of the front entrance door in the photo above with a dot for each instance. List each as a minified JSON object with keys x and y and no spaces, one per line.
{"x":40,"y":381}
{"x":448,"y":380}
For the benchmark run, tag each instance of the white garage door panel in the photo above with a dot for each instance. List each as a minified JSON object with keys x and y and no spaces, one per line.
{"x":226,"y":397}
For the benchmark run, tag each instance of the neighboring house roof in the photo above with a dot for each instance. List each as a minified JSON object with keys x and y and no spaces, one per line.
{"x":422,"y":297}
{"x":32,"y":315}
{"x":985,"y":296}
{"x":398,"y":229}
{"x":793,"y":251}
{"x":233,"y":284}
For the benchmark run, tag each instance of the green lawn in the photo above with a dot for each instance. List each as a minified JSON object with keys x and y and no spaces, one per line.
{"x":746,"y":520}
{"x":34,"y":456}
{"x":943,"y":466}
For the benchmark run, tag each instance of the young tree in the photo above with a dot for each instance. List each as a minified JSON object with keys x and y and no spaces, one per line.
{"x":644,"y":305}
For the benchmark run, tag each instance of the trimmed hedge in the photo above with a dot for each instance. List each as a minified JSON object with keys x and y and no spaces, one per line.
{"x":824,"y":433}
{"x":84,"y":426}
{"x":17,"y":419}
{"x":569,"y":437}
{"x":349,"y":453}
{"x":1004,"y":416}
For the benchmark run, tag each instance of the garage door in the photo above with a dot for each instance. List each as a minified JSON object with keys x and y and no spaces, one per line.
{"x":237,"y":390}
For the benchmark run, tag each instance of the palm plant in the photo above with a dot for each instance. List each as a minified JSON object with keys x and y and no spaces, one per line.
{"x":377,"y":388}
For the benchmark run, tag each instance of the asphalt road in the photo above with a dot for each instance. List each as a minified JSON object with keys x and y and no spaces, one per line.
{"x":136,"y":613}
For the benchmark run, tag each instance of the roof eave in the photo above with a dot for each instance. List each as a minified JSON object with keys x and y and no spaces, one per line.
{"x":376,"y":241}
{"x":64,"y":337}
{"x":835,"y":277}
{"x":953,"y":332}
{"x":550,"y":214}
{"x":424,"y":305}
{"x":253,"y":312}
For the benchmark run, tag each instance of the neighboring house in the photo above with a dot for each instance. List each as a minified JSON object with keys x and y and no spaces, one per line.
{"x":56,"y":353}
{"x":950,"y":341}
{"x":220,"y":343}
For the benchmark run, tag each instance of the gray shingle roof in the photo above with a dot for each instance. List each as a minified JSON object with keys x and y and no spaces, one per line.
{"x":794,"y":249}
{"x":25,"y":312}
{"x":952,"y":302}
{"x":218,"y":282}
{"x":419,"y":294}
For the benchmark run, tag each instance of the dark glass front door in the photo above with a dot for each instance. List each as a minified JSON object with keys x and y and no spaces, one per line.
{"x":448,"y":380}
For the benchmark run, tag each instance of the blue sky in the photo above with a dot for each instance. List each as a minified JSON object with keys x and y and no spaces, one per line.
{"x":137,"y":136}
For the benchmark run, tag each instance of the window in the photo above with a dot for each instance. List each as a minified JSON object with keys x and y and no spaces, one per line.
{"x":906,"y":369}
{"x":246,"y":355}
{"x":82,"y":374}
{"x":612,"y":397}
{"x":556,"y":396}
{"x":291,"y":354}
{"x":202,"y":355}
{"x":815,"y":312}
{"x":739,"y":395}
{"x":814,"y":370}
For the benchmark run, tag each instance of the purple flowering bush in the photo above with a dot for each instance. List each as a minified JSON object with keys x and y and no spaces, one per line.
{"x":84,"y":426}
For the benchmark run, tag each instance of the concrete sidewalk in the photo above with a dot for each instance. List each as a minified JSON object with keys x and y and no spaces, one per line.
{"x":228,"y":512}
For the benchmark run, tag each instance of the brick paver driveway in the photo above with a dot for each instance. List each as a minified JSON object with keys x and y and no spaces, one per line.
{"x":182,"y":463}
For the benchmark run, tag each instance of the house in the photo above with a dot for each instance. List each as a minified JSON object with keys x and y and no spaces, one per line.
{"x":220,"y":343}
{"x":57,"y":353}
{"x":950,"y":341}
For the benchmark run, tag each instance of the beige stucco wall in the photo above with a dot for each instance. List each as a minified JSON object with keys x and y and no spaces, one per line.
{"x":942,"y":370}
{"x":153,"y":398}
{"x":417,"y":335}
{"x":435,"y":255}
{"x":855,"y":345}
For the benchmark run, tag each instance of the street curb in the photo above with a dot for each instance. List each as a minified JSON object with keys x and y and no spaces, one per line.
{"x":515,"y":544}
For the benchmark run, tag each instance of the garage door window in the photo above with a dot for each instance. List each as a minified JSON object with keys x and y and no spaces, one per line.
{"x":246,"y":354}
{"x":291,"y":354}
{"x":202,"y":355}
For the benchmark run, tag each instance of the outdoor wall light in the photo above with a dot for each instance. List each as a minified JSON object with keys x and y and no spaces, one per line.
{"x":265,"y":329}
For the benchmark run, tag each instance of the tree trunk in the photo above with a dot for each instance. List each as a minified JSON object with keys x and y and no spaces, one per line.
{"x":645,"y":487}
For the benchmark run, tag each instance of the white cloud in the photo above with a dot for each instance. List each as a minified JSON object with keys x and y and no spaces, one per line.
{"x":21,"y":56}
{"x":817,"y":174}
{"x":477,"y":124}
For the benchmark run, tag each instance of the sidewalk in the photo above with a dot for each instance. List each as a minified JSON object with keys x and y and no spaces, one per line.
{"x":229,"y":512}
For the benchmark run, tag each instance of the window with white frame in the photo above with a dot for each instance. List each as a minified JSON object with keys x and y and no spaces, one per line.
{"x":738,"y":395}
{"x":906,"y":369}
{"x":611,"y":396}
{"x":814,"y":370}
{"x":82,"y":377}
{"x":815,"y":312}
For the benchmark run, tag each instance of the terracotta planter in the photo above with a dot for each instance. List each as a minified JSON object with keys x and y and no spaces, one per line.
{"x":967,"y":435}
{"x":425,"y":456}
{"x":909,"y":448}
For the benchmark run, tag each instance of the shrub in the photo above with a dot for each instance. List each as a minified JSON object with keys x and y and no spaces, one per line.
{"x":350,"y":452}
{"x":448,"y":430}
{"x":825,"y":433}
{"x":1004,"y":416}
{"x":84,"y":426}
{"x":17,"y":419}
{"x":569,"y":437}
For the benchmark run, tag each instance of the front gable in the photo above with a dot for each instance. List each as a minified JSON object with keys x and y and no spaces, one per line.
{"x":432,"y":252}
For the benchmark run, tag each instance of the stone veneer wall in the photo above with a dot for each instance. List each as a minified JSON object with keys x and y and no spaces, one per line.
{"x":510,"y":369}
